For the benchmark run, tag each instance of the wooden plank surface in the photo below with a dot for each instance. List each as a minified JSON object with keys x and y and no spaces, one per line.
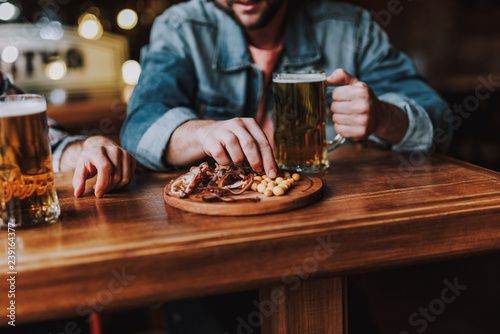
{"x":129,"y":249}
{"x":316,"y":306}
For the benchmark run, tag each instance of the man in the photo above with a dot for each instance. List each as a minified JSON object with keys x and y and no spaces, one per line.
{"x":204,"y":89}
{"x":96,"y":155}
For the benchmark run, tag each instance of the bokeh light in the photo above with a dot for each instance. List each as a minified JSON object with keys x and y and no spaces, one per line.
{"x":10,"y":54}
{"x":8,"y":11}
{"x":56,"y":70}
{"x":57,"y":96}
{"x":52,"y":30}
{"x":89,"y":26}
{"x":127,"y":19}
{"x":131,"y":70}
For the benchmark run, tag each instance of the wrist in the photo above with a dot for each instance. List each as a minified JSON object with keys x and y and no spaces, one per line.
{"x":392,"y":123}
{"x":202,"y":129}
{"x":384,"y":118}
{"x":70,"y":155}
{"x":187,"y":143}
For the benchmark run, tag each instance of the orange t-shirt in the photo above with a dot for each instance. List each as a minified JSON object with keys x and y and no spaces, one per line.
{"x":265,"y":60}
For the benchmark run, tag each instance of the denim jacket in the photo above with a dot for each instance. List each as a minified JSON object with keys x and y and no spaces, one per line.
{"x":198,"y":66}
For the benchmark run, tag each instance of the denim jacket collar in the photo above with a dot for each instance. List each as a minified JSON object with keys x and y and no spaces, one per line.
{"x":232,"y":51}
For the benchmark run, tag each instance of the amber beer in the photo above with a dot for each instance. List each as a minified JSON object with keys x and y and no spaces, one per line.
{"x":299,"y":115}
{"x":28,"y":196}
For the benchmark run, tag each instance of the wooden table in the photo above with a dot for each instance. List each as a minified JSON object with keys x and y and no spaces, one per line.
{"x":380,"y":210}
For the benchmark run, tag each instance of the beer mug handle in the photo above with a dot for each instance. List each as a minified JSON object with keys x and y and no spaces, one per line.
{"x":336,"y":142}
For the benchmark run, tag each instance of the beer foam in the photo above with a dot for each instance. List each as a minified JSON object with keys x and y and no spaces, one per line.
{"x":22,"y":108}
{"x":299,"y":77}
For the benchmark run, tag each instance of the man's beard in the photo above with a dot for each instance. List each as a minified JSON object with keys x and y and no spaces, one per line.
{"x":267,"y":15}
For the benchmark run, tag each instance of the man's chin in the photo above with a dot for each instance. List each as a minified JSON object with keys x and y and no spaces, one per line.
{"x":258,"y":20}
{"x":250,"y":23}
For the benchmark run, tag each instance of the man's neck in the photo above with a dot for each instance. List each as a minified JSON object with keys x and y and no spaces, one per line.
{"x":271,"y":36}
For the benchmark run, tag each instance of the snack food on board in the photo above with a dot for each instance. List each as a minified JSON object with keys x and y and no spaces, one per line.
{"x":229,"y":183}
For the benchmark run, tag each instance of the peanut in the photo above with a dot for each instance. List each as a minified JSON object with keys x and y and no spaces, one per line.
{"x":278,"y":190}
{"x":268,"y":192}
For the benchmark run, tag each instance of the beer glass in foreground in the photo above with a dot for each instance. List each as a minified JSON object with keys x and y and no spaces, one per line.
{"x":28,"y":197}
{"x":299,"y":116}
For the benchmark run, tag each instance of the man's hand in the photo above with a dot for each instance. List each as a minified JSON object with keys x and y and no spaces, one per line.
{"x":234,"y":140}
{"x":238,"y":139}
{"x":101,"y":156}
{"x":358,"y":113}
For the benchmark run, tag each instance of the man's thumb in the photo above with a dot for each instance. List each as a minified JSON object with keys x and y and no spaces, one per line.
{"x":339,"y":76}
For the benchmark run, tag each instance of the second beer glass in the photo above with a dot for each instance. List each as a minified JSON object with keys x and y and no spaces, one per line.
{"x":27,"y":196}
{"x":299,"y":116}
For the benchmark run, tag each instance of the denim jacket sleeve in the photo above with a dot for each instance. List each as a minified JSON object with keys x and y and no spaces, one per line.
{"x":162,"y":99}
{"x":394,"y":79}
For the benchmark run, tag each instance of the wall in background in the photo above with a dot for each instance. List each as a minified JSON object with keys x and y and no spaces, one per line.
{"x":456,"y":45}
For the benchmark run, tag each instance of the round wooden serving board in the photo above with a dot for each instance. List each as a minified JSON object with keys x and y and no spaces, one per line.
{"x":304,"y":192}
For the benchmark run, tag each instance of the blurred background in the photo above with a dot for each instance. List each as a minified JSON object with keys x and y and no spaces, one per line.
{"x":456,"y":45}
{"x":83,"y":55}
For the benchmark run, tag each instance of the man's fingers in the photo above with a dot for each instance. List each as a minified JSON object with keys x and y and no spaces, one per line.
{"x":237,"y":139}
{"x":103,"y":180}
{"x":341,"y":77}
{"x":249,"y":146}
{"x":351,"y":106}
{"x":231,"y":142}
{"x":356,"y":132}
{"x":115,"y":157}
{"x":265,"y":152}
{"x":355,"y":107}
{"x":356,"y":120}
{"x":342,"y":107}
{"x":215,"y":148}
{"x":128,"y":168}
{"x":99,"y":159}
{"x":349,"y":93}
{"x":100,"y":156}
{"x":79,"y":177}
{"x":270,"y":166}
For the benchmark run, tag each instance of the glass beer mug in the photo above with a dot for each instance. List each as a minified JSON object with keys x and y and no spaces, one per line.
{"x":299,"y":116}
{"x":27,"y":195}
